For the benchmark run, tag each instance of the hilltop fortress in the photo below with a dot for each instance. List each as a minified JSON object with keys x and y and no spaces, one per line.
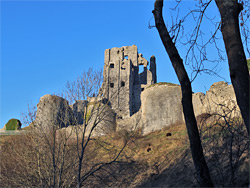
{"x":135,"y":100}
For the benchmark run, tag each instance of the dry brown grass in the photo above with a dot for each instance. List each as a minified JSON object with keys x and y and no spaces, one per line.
{"x":153,"y":160}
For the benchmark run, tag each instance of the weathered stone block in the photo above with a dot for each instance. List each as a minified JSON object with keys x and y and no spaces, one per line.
{"x":161,"y":107}
{"x":53,"y":110}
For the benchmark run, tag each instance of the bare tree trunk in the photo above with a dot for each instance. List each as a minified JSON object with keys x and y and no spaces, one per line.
{"x":54,"y":157}
{"x":229,"y":11}
{"x":201,"y":167}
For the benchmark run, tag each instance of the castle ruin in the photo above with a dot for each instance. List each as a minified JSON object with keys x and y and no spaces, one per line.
{"x":123,"y":83}
{"x":131,"y":103}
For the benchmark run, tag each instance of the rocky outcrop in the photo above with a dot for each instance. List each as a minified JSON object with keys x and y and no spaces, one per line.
{"x":53,"y":110}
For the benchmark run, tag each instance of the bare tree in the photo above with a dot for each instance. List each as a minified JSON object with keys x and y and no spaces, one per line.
{"x":62,"y":156}
{"x":201,"y":167}
{"x":229,"y":11}
{"x":86,"y":85}
{"x":198,"y":40}
{"x":51,"y":152}
{"x":225,"y":142}
{"x":97,"y":119}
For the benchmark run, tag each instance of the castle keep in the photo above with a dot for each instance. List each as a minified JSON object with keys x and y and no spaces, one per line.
{"x":123,"y":83}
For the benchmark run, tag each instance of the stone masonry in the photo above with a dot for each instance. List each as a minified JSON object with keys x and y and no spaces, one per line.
{"x":134,"y":100}
{"x":123,"y":83}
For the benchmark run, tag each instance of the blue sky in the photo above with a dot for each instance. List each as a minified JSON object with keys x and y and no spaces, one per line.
{"x":44,"y":44}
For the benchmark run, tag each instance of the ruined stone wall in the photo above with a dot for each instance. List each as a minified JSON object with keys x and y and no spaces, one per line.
{"x":55,"y":112}
{"x":153,"y":69}
{"x":102,"y":117}
{"x":219,"y":99}
{"x":131,"y":101}
{"x":117,"y":79}
{"x":122,"y":83}
{"x":161,"y":106}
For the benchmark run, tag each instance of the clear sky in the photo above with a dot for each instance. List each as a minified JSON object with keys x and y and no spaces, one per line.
{"x":44,"y":44}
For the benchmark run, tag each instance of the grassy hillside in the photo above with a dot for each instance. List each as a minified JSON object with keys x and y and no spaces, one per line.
{"x":159,"y":159}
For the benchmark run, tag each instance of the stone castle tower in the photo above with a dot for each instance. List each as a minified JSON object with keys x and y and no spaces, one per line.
{"x":123,"y":83}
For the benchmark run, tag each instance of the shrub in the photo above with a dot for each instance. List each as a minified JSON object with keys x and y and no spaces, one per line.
{"x":13,"y":124}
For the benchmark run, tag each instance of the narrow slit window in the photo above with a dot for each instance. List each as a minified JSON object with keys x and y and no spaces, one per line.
{"x":122,"y":83}
{"x":111,"y":85}
{"x":112,"y":65}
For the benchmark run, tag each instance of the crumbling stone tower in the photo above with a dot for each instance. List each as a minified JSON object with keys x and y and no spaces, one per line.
{"x":122,"y":84}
